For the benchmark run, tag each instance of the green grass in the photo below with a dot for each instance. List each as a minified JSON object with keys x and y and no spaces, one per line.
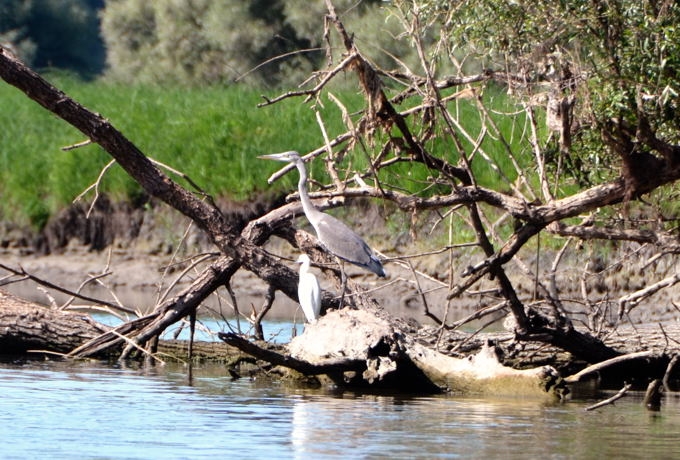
{"x":416,"y":178}
{"x":212,"y":134}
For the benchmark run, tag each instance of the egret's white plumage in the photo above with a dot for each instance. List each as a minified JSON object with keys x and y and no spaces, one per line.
{"x":309,"y":291}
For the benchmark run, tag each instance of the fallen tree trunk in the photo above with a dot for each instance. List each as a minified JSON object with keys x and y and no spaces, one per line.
{"x":25,"y":326}
{"x":28,"y":328}
{"x":200,"y":351}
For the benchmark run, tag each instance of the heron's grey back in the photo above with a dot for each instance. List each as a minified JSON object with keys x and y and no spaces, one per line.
{"x":342,"y":241}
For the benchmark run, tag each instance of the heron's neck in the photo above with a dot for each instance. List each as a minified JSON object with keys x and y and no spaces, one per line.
{"x":307,"y":205}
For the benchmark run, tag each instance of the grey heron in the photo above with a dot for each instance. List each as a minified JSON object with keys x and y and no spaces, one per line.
{"x":334,"y":235}
{"x":309,"y":291}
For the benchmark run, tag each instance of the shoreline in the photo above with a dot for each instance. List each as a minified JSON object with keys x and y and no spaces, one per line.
{"x":138,"y":279}
{"x":139,"y":243}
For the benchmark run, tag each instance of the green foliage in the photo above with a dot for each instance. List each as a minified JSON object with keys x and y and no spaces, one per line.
{"x":212,"y":134}
{"x":643,"y":67}
{"x":193,"y":42}
{"x":14,"y":32}
{"x":181,"y":41}
{"x":628,"y":51}
{"x":206,"y":42}
{"x":376,"y":32}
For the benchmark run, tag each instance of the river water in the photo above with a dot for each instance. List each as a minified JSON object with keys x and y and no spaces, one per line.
{"x":92,"y":410}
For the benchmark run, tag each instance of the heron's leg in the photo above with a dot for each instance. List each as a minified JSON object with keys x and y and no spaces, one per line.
{"x":343,"y":282}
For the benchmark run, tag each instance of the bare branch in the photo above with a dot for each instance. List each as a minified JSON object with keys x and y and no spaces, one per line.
{"x":629,"y":301}
{"x":604,"y":364}
{"x":669,"y":370}
{"x":313,"y":91}
{"x":590,"y":232}
{"x":275,"y":357}
{"x":622,"y":392}
{"x":23,"y":273}
{"x":76,"y":145}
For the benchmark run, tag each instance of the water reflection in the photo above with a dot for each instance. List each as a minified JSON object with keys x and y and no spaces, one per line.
{"x":446,"y":427}
{"x":207,"y":328}
{"x":86,"y":410}
{"x":394,"y":427}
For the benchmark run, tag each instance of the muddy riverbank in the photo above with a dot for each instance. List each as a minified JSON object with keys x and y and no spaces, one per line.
{"x":138,"y":254}
{"x":138,"y":251}
{"x":139,"y":280}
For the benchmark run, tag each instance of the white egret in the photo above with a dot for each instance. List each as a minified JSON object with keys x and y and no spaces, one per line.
{"x":309,"y":291}
{"x":334,"y":235}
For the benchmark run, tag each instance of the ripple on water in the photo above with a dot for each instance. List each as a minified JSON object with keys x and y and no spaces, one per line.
{"x":86,"y":410}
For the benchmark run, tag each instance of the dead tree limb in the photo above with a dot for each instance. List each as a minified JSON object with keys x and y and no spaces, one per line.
{"x":604,"y":364}
{"x":26,"y":327}
{"x":241,"y":251}
{"x":139,"y":167}
{"x":622,"y":392}
{"x":25,"y":275}
{"x":266,"y":353}
{"x":653,"y":395}
{"x":167,"y":313}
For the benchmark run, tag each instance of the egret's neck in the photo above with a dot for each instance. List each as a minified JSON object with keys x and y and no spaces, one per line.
{"x":307,"y":205}
{"x":306,"y":265}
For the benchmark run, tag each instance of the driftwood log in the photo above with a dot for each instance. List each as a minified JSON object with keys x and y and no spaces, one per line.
{"x":25,"y":327}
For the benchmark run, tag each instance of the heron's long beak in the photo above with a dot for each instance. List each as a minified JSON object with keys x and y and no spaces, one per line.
{"x":275,"y":156}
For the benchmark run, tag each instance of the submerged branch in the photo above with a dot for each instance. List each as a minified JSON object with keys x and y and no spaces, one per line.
{"x":622,"y":392}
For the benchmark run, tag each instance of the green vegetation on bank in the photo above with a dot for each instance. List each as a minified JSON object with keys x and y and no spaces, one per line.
{"x":213,"y":134}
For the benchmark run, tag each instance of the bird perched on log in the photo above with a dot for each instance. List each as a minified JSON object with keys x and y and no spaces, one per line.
{"x":309,"y":291}
{"x":336,"y":237}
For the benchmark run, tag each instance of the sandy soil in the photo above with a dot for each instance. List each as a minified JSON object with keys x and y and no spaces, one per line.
{"x":137,"y":281}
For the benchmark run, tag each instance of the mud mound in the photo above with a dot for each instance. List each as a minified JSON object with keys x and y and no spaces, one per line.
{"x":107,"y":222}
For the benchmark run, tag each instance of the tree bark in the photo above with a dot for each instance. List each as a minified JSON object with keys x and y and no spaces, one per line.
{"x":26,"y":327}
